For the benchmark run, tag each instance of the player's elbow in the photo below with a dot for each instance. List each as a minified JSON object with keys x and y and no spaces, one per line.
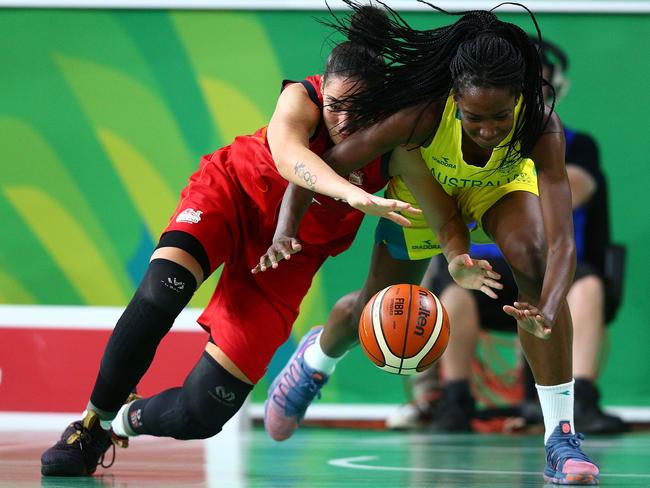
{"x":284,"y":167}
{"x":449,"y":226}
{"x":283,"y":161}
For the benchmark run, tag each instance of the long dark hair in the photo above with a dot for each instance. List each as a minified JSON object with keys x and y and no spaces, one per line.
{"x":358,"y":58}
{"x":424,"y":65}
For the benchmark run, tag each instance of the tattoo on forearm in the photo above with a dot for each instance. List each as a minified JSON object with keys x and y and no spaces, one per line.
{"x":310,"y":178}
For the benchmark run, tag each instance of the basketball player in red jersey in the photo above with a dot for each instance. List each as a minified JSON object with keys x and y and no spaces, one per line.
{"x":226,"y":215}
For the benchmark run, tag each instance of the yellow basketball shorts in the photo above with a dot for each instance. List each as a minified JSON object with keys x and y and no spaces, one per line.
{"x":419,"y":242}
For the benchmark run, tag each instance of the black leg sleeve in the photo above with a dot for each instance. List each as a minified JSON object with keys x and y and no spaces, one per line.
{"x":209,"y":397}
{"x":164,"y":291}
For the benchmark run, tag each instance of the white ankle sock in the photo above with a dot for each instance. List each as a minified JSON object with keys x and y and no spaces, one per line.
{"x":317,"y":359}
{"x":557,"y":405}
{"x":104,"y":424}
{"x":120,"y":425}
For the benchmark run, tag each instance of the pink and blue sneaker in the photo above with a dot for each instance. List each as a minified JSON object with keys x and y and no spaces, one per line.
{"x":566,"y":464}
{"x":292,"y":392}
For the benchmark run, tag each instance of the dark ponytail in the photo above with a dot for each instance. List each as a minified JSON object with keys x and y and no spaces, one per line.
{"x":424,"y":65}
{"x":358,"y":57}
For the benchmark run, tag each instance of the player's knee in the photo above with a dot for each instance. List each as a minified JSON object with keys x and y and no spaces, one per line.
{"x":167,"y":286}
{"x":526,"y":255}
{"x":164,"y":291}
{"x":211,"y":396}
{"x":198,"y":427}
{"x":347,"y":309}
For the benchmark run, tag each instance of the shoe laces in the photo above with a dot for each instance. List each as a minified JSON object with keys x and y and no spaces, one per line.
{"x":119,"y":441}
{"x":309,"y":382}
{"x":81,"y":435}
{"x":568,"y":447}
{"x":306,"y":383}
{"x":101,"y":459}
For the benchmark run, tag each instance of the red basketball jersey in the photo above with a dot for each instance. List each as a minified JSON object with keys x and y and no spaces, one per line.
{"x":328,"y":223}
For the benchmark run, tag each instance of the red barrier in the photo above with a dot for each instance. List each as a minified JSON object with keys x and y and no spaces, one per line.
{"x":53,"y":370}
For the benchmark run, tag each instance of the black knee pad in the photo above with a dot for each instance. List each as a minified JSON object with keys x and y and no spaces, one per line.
{"x":210,"y":396}
{"x":165,"y":290}
{"x":167,"y":286}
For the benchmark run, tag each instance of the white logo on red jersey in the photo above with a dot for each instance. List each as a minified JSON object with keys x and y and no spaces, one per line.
{"x":190,"y":216}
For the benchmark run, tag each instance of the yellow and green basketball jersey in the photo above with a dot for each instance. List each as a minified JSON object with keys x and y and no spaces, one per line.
{"x":475,"y":188}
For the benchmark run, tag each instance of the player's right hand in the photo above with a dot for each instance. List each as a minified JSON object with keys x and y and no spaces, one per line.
{"x":282,"y":248}
{"x":531,"y":319}
{"x":475,"y":274}
{"x":382,"y":207}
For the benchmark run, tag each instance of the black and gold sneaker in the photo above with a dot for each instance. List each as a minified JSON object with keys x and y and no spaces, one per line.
{"x":80,"y":450}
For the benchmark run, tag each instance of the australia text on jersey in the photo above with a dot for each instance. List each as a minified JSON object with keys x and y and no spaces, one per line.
{"x":444,"y":179}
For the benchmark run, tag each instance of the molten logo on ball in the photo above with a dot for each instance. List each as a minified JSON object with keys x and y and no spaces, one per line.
{"x":404,"y":329}
{"x":423,"y":312}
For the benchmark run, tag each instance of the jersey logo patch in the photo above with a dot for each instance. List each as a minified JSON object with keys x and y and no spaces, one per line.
{"x":444,"y":161}
{"x":426,"y":244}
{"x":190,"y":216}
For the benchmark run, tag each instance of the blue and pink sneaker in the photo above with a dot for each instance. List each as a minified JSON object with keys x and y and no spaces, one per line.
{"x":292,"y":392}
{"x":566,"y":464}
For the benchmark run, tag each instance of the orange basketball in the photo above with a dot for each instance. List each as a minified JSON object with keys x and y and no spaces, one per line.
{"x":404,"y":329}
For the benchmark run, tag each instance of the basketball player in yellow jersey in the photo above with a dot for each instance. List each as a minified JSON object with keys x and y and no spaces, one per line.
{"x":470,"y":96}
{"x":475,"y":184}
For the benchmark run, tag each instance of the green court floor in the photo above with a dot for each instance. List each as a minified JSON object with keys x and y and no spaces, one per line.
{"x":328,"y":458}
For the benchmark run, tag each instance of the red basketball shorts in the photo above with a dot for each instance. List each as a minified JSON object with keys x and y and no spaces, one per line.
{"x":249,"y":316}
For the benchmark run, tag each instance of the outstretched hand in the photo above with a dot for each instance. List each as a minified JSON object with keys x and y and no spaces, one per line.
{"x":382,"y":207}
{"x":475,"y":274}
{"x":281,"y":248}
{"x":530,"y":319}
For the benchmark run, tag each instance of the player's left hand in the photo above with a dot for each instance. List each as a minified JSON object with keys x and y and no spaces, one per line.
{"x":281,"y":248}
{"x":475,"y":274}
{"x":531,"y":319}
{"x":387,"y":208}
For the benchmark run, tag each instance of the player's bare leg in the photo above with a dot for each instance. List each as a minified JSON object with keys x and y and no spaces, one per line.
{"x":341,"y":329}
{"x":515,"y":223}
{"x":315,"y":358}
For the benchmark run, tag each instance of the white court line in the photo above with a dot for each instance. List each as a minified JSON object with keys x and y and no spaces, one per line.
{"x":352,"y":463}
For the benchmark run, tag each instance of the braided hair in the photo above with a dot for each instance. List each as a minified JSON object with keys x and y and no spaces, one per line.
{"x":356,"y":58}
{"x":424,"y":65}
